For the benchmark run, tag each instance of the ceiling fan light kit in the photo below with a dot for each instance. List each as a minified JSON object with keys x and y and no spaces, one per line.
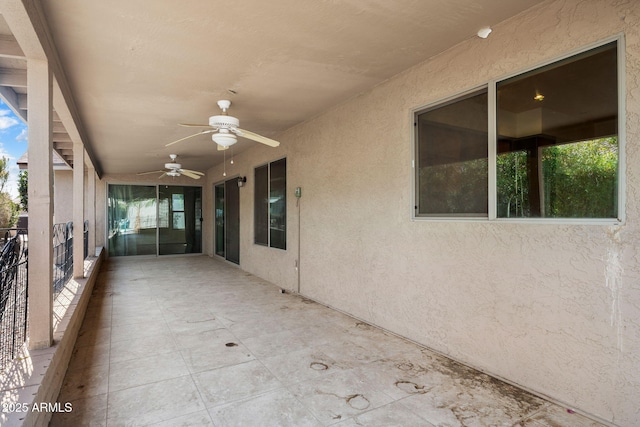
{"x":225,"y":139}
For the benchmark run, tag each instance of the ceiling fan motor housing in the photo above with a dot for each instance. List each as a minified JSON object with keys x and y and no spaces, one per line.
{"x":224,"y":122}
{"x":172,"y":165}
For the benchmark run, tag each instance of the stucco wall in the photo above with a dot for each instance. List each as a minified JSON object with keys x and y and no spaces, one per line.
{"x":63,"y":196}
{"x":552,"y":307}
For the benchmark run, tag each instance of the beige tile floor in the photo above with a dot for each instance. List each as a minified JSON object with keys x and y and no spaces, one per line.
{"x":193,"y":341}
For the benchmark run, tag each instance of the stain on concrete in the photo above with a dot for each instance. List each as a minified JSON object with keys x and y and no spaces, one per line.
{"x":357,"y":401}
{"x":364,"y":326}
{"x":319,"y":366}
{"x":410,"y":387}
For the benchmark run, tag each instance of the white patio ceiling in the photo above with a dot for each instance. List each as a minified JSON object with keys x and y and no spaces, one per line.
{"x":135,"y":69}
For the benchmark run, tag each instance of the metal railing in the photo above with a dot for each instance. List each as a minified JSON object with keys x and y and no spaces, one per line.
{"x":62,"y":256}
{"x":14,"y":283}
{"x":86,"y":239}
{"x":13,"y":293}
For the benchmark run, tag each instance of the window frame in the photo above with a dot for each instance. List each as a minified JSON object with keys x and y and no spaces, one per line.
{"x":286,"y":174}
{"x":491,"y":87}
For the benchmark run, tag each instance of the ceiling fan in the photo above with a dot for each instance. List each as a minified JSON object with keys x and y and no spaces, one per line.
{"x":225,"y":130}
{"x":175,"y":169}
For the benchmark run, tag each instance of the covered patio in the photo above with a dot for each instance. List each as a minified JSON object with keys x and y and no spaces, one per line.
{"x":446,"y":192}
{"x":188,"y":341}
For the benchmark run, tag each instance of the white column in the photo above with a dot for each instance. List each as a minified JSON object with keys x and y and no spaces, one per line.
{"x":40,"y":275}
{"x":91,"y":208}
{"x":78,"y":210}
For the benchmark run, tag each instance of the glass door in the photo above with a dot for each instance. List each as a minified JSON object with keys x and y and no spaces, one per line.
{"x":132,"y":220}
{"x":227,"y":220}
{"x":232,"y":220}
{"x":179,"y":220}
{"x":219,"y":219}
{"x":151,"y":220}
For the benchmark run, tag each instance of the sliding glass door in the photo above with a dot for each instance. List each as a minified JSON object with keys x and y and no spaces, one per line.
{"x":227,"y":220}
{"x":154,"y":220}
{"x":132,"y":220}
{"x":219,"y":219}
{"x":179,"y":220}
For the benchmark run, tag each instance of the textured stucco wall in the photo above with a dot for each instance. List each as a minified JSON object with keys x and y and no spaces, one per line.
{"x":554,"y":308}
{"x":63,"y":196}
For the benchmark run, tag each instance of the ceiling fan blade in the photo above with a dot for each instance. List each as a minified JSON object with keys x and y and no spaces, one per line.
{"x":191,"y":136}
{"x":191,"y":171}
{"x":163,"y":175}
{"x":147,"y":173}
{"x":192,"y":125}
{"x":189,"y":174}
{"x":254,"y":136}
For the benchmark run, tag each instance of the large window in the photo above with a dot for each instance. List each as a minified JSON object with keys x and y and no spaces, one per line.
{"x":154,"y":220}
{"x":555,"y":150}
{"x":452,"y":158}
{"x":270,"y":204}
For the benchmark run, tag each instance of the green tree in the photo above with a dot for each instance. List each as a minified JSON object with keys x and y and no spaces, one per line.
{"x":23,"y":186}
{"x":578,"y":180}
{"x":4,"y":173}
{"x":8,"y":211}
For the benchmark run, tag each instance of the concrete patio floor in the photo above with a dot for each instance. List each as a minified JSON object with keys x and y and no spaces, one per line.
{"x":194,"y":341}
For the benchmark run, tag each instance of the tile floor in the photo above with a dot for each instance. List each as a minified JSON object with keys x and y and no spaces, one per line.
{"x":193,"y":341}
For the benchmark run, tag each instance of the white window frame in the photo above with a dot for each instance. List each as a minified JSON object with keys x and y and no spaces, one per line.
{"x":492,"y":145}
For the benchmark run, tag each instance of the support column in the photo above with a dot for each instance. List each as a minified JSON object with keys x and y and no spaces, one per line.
{"x":91,"y":208}
{"x":78,"y":210}
{"x":40,"y":274}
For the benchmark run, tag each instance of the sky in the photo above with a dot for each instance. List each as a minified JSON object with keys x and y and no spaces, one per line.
{"x":13,"y":144}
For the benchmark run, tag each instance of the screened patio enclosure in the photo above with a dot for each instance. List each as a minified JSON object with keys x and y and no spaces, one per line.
{"x":154,"y":220}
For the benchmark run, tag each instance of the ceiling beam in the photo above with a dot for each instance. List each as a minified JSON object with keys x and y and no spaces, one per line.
{"x":22,"y":101}
{"x":13,"y":77}
{"x":58,"y":127}
{"x":61,"y":137}
{"x":9,"y":47}
{"x":28,"y":23}
{"x":63,"y":145}
{"x":12,"y":99}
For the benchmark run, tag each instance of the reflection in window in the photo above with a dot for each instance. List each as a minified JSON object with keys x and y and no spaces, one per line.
{"x":177,"y":202}
{"x":558,"y":139}
{"x":182,"y":233}
{"x":452,"y":167}
{"x":270,"y":204}
{"x":556,"y":148}
{"x":261,"y":205}
{"x":139,"y":214}
{"x":132,"y":220}
{"x":219,"y":220}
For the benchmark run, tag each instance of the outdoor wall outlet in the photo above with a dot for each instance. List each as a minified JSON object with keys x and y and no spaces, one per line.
{"x":298,"y":192}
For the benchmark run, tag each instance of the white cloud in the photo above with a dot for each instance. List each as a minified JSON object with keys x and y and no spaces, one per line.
{"x":6,"y":121}
{"x":24,"y":135}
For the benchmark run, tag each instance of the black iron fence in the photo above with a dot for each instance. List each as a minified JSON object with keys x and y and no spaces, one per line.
{"x":13,"y":292}
{"x":86,"y":239}
{"x":14,"y":284}
{"x":62,"y":255}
